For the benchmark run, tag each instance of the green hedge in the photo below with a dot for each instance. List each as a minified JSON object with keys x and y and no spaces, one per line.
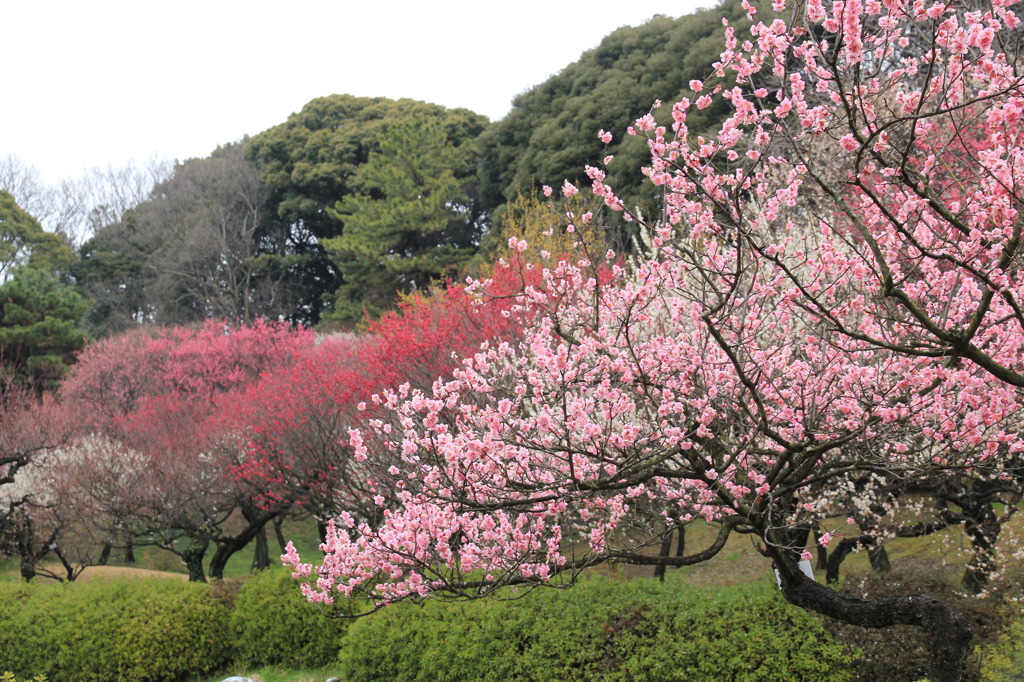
{"x":273,"y":624}
{"x":600,"y":630}
{"x":1003,"y":661}
{"x":112,"y":630}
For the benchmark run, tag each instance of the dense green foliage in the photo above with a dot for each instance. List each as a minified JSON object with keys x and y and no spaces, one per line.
{"x":40,"y":326}
{"x":313,"y":160}
{"x":354,"y":199}
{"x":1004,"y":660}
{"x":600,"y":630}
{"x":167,"y":630}
{"x":23,"y":241}
{"x":9,"y":677}
{"x":116,"y":630}
{"x":204,"y":245}
{"x":274,"y":625}
{"x":412,"y":219}
{"x":551,"y":132}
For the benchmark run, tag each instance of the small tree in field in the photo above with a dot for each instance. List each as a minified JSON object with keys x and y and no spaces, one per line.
{"x":30,"y":430}
{"x":834,"y":288}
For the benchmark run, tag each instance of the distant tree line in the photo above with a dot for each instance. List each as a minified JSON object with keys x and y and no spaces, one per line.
{"x":332,"y":214}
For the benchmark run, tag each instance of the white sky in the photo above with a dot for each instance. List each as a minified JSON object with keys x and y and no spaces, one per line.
{"x":95,"y":82}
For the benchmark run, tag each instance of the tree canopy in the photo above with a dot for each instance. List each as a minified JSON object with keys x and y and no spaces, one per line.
{"x":313,"y":161}
{"x":412,"y":218}
{"x":550,"y":135}
{"x":24,"y":242}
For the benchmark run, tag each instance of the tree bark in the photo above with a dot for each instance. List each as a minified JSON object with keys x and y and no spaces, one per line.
{"x":261,"y":557}
{"x":879,"y":559}
{"x":129,"y":549}
{"x":982,"y":527}
{"x":226,"y":547}
{"x":193,"y":555}
{"x":279,"y":534}
{"x":666,"y":547}
{"x":949,"y":633}
{"x":105,"y":554}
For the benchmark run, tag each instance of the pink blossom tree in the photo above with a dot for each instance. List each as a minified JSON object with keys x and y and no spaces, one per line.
{"x":31,"y":429}
{"x":834,"y":288}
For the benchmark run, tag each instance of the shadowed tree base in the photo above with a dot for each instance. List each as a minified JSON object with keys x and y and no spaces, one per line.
{"x":949,"y":633}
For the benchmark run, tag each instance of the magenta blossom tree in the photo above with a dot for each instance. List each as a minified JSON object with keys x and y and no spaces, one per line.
{"x":834,"y":288}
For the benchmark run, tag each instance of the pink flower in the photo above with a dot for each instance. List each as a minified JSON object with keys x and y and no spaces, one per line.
{"x":605,"y":137}
{"x":547,"y":190}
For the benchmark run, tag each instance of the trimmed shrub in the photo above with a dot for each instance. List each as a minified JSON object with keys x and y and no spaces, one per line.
{"x":597,"y":630}
{"x":273,"y":624}
{"x":113,"y":630}
{"x":1003,"y":661}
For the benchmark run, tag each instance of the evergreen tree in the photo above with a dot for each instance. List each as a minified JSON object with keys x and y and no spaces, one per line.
{"x":413,"y":219}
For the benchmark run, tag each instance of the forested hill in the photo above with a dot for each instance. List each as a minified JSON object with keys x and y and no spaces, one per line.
{"x":551,"y":132}
{"x":354,"y":200}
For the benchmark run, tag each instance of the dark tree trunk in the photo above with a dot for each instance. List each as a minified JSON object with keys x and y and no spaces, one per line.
{"x":949,"y":633}
{"x":982,"y":527}
{"x":822,"y":553}
{"x":256,"y":520}
{"x":69,"y":570}
{"x":279,"y":534}
{"x":879,"y":559}
{"x":666,"y":547}
{"x":105,"y":554}
{"x":877,"y":555}
{"x":261,"y":557}
{"x":28,"y":570}
{"x":193,"y":555}
{"x":129,"y":549}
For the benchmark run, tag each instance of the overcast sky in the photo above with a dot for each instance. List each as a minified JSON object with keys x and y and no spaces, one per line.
{"x":92,"y":83}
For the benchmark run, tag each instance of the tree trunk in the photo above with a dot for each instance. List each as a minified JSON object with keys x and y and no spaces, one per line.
{"x":949,"y":633}
{"x":193,"y":555}
{"x":279,"y":534}
{"x":261,"y":557}
{"x":879,"y":559}
{"x":666,"y":547}
{"x":982,"y":528}
{"x":227,"y":547}
{"x":822,"y":552}
{"x":105,"y":554}
{"x":129,"y":549}
{"x":28,"y":570}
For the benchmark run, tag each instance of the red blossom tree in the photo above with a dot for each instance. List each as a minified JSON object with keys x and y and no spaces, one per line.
{"x":297,"y":421}
{"x":820,"y":299}
{"x":158,"y":400}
